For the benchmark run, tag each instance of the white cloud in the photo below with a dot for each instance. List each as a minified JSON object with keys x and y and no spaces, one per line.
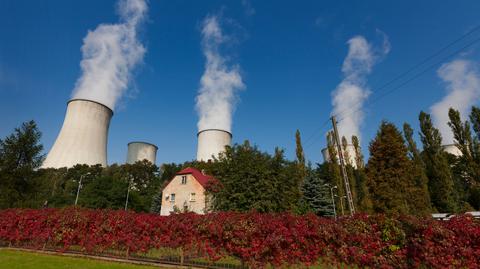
{"x":215,"y":102}
{"x":110,"y":53}
{"x":349,"y":96}
{"x":463,"y":90}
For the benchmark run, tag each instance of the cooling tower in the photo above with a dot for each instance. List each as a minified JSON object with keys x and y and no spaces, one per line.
{"x":211,"y":142}
{"x":83,"y":137}
{"x":139,"y":151}
{"x":349,"y":155}
{"x":452,"y":149}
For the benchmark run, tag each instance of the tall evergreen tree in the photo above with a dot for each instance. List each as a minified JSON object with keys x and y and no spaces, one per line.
{"x":20,"y":155}
{"x":358,"y":152}
{"x":419,"y":197}
{"x":389,"y":172}
{"x":333,"y":165}
{"x":440,"y":179}
{"x":363,"y":201}
{"x":300,"y":155}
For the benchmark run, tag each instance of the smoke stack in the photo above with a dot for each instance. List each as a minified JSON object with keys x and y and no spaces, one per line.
{"x":211,"y":142}
{"x":350,"y":155}
{"x":83,"y":137}
{"x":452,"y":149}
{"x":139,"y":151}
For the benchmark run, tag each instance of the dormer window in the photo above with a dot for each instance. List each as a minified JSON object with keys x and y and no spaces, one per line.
{"x":184,"y":180}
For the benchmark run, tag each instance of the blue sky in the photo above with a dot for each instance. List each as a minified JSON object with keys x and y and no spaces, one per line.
{"x":289,"y":53}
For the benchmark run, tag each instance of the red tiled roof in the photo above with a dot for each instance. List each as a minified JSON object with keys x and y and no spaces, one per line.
{"x":199,"y":176}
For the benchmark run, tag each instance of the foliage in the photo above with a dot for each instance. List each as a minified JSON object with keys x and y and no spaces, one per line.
{"x":257,"y":239}
{"x":316,"y":193}
{"x":389,"y":170}
{"x":419,"y":197}
{"x":440,"y":178}
{"x":20,"y":154}
{"x":254,"y":180}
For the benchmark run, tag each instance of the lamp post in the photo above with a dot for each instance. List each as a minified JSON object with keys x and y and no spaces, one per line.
{"x":333,"y":199}
{"x":80,"y":186}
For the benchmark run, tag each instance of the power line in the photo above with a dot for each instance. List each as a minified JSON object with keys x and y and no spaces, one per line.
{"x":402,"y":75}
{"x":413,"y":78}
{"x":414,"y":67}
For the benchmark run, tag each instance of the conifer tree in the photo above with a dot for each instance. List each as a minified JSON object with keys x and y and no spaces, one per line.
{"x":389,"y":172}
{"x":363,"y":202}
{"x":300,"y":155}
{"x":419,"y":197}
{"x":358,"y":153}
{"x":474,"y":196}
{"x":333,"y":166}
{"x":20,"y":155}
{"x":316,"y":193}
{"x":440,"y":179}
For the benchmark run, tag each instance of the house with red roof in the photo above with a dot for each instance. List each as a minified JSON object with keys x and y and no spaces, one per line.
{"x":186,"y":192}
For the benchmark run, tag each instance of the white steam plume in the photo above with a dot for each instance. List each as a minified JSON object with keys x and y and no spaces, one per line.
{"x":350,"y":94}
{"x":110,"y":53}
{"x":463,"y":90}
{"x":219,"y":83}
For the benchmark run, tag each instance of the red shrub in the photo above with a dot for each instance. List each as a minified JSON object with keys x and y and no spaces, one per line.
{"x":374,"y":241}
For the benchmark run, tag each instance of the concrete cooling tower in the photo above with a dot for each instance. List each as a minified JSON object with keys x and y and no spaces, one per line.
{"x":83,"y":137}
{"x":452,"y":149}
{"x":139,"y":151}
{"x":350,"y":155}
{"x":211,"y":142}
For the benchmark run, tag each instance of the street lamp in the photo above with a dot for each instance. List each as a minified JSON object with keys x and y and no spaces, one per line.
{"x":80,"y":186}
{"x":333,"y":199}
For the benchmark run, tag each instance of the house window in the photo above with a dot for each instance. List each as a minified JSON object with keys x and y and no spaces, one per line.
{"x":184,"y":180}
{"x":167,"y":197}
{"x":172,"y":197}
{"x":192,"y":197}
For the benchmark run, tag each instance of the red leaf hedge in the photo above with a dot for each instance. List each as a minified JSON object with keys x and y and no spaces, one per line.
{"x":257,"y":239}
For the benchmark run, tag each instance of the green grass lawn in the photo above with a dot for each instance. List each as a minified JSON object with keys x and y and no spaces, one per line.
{"x":13,"y":259}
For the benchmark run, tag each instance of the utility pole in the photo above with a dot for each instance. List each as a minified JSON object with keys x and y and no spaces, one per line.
{"x":128,"y":191}
{"x":351,"y":206}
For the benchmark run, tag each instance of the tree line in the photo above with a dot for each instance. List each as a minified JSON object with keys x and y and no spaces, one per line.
{"x":398,"y":178}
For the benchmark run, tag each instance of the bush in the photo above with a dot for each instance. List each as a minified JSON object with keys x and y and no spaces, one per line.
{"x":256,"y":239}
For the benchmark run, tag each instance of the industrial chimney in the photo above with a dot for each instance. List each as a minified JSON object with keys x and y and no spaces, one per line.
{"x":211,"y":142}
{"x":350,"y":155}
{"x":83,"y":137}
{"x":139,"y":151}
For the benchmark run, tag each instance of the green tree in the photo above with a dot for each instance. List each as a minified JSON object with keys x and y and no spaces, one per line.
{"x":358,"y":152}
{"x":362,"y":200}
{"x":316,"y":193}
{"x":334,"y":175}
{"x":255,"y":180}
{"x":300,"y":155}
{"x":20,"y":155}
{"x":440,"y":179}
{"x":419,"y":197}
{"x":390,"y":172}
